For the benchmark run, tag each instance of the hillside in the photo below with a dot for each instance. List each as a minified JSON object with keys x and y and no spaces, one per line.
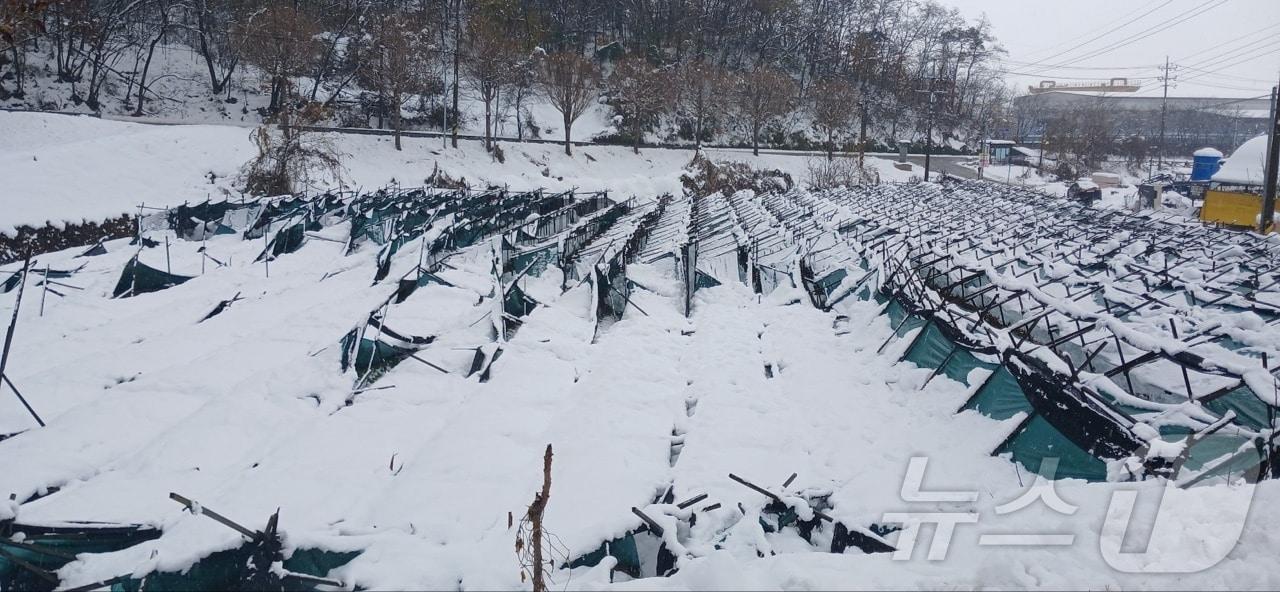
{"x":67,"y":169}
{"x":385,"y":369}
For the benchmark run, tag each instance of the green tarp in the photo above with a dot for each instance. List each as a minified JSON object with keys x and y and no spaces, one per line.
{"x":999,"y":397}
{"x":516,"y":303}
{"x":373,"y":352}
{"x":1250,"y":410}
{"x":1035,"y":440}
{"x":408,"y":286}
{"x":536,"y":261}
{"x":824,"y":286}
{"x":932,"y":349}
{"x":141,"y":279}
{"x":226,"y":570}
{"x":622,"y":548}
{"x":50,"y":548}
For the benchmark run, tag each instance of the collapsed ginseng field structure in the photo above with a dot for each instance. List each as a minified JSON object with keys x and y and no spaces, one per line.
{"x":361,"y":385}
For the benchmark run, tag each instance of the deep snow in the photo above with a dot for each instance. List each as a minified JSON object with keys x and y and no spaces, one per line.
{"x":247,"y":412}
{"x":61,"y":168}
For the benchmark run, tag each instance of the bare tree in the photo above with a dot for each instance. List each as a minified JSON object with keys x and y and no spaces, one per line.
{"x":643,"y":90}
{"x":162,"y":15}
{"x":701,"y":84}
{"x":834,"y":106}
{"x":492,"y":56}
{"x":760,"y":96}
{"x":525,"y":74}
{"x":281,"y":40}
{"x":213,"y":34}
{"x":343,"y":20}
{"x":20,"y":21}
{"x":568,"y":81}
{"x":401,"y":65}
{"x":293,"y":159}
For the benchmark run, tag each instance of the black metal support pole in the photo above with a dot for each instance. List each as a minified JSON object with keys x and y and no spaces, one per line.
{"x":23,"y":400}
{"x":1273,"y":158}
{"x":8,"y":337}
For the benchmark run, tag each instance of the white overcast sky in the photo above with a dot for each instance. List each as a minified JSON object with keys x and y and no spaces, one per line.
{"x":1225,"y":48}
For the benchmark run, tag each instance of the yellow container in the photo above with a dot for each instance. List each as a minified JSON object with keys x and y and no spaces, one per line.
{"x":1231,"y":208}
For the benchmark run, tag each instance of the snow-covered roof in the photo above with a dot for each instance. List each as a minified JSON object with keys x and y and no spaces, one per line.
{"x":1208,"y":152}
{"x":1023,"y":150}
{"x":1245,"y":113}
{"x":1246,"y":165}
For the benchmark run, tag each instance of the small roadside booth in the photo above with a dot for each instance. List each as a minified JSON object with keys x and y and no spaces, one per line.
{"x":1234,"y":197}
{"x":1000,"y":151}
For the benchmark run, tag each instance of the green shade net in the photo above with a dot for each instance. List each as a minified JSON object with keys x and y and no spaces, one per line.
{"x":518,"y":304}
{"x":1250,"y":410}
{"x":373,"y":355}
{"x":406,"y":287}
{"x":62,"y":539}
{"x":702,"y":280}
{"x":12,"y":282}
{"x":225,"y":570}
{"x":1204,"y":451}
{"x":999,"y":397}
{"x":289,"y":239}
{"x":622,"y":548}
{"x":1246,"y":464}
{"x":826,"y":285}
{"x":286,"y":241}
{"x":933,"y":349}
{"x":537,"y":260}
{"x":901,"y":319}
{"x":141,"y":279}
{"x":1035,"y":440}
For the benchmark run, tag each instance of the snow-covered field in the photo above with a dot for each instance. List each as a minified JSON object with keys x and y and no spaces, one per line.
{"x":60,"y":168}
{"x":248,"y":412}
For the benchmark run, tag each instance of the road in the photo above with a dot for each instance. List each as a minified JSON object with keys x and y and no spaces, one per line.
{"x":946,"y":164}
{"x":943,"y":164}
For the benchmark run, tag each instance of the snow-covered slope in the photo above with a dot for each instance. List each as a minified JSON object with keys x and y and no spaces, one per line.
{"x":419,"y":470}
{"x":66,"y":169}
{"x":248,"y":412}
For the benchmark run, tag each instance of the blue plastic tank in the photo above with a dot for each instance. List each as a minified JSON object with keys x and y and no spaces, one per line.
{"x":1205,"y":162}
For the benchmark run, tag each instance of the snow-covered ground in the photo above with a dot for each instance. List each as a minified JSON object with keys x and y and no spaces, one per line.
{"x":248,"y":411}
{"x":245,"y":413}
{"x":61,"y":168}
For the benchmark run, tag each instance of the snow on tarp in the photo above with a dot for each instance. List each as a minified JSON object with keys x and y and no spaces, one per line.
{"x":1245,"y":166}
{"x":249,"y":413}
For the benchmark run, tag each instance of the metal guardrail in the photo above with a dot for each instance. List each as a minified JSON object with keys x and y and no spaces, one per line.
{"x":362,"y":131}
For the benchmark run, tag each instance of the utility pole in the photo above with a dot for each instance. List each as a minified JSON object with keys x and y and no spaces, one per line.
{"x":1164,"y":109}
{"x":457,"y":49}
{"x":1273,"y":159}
{"x":933,"y":110}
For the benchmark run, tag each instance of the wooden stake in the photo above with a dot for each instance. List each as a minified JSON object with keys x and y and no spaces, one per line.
{"x":536,"y":510}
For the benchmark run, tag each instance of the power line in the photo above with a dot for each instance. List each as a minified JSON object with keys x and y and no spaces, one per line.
{"x":1233,"y":54}
{"x":1242,"y":61}
{"x":1154,"y":29}
{"x":1242,"y":39}
{"x":1026,"y":64}
{"x":1225,"y":103}
{"x":1223,"y":75}
{"x":1103,"y":34}
{"x":1070,"y":41}
{"x":1047,"y":75}
{"x":1223,"y":86}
